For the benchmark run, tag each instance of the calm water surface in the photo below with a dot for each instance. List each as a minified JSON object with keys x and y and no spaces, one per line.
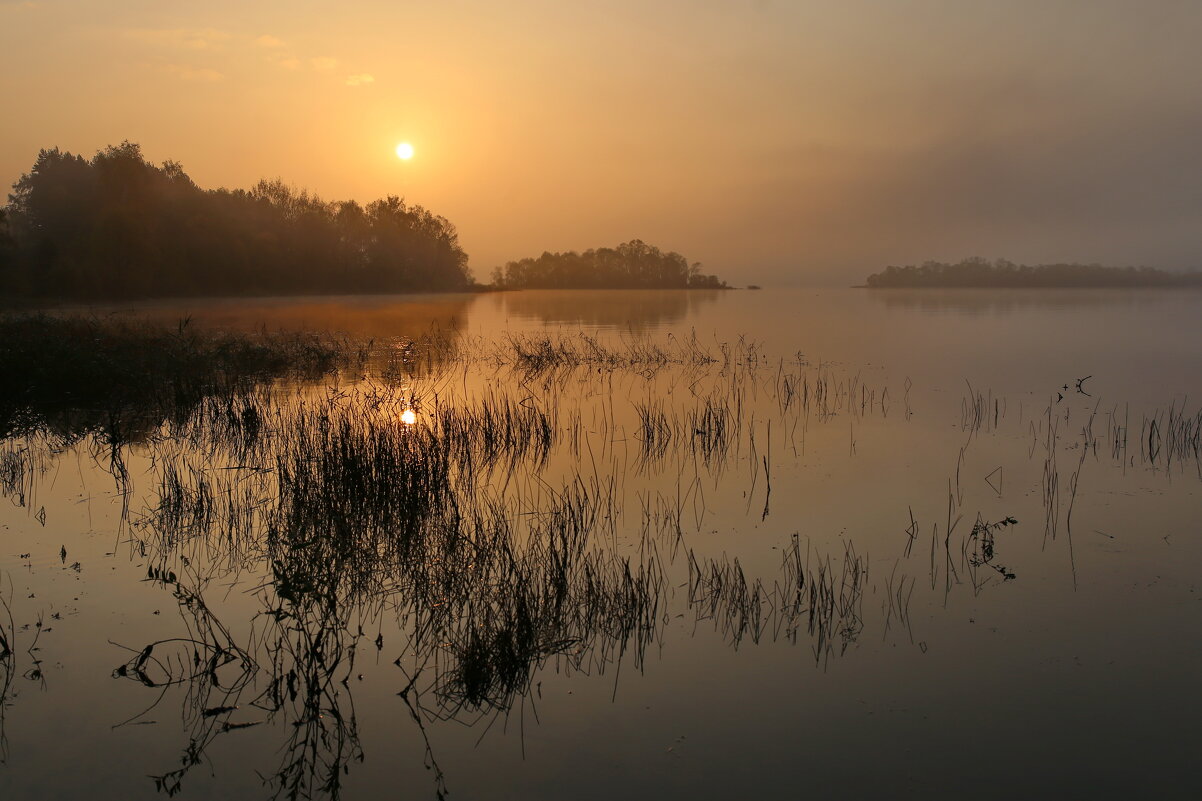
{"x":770,"y":544}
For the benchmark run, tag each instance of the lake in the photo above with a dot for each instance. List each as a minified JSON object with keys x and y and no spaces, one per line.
{"x":538,"y":545}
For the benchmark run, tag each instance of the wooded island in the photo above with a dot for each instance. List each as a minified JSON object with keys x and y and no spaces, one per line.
{"x":1002,"y":273}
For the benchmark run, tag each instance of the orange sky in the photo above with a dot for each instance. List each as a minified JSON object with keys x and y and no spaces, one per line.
{"x":776,"y":142}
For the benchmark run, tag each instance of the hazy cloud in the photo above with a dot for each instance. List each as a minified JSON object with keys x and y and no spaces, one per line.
{"x":810,"y":142}
{"x":283,"y":60}
{"x":288,"y":61}
{"x":180,"y":38}
{"x":198,"y":74}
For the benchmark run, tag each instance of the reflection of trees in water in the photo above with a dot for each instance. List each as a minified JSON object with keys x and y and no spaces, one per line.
{"x":69,"y":377}
{"x":363,"y":316}
{"x":624,"y":309}
{"x":1000,"y":301}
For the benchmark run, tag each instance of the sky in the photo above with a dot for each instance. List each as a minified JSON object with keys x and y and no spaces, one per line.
{"x":779,"y":143}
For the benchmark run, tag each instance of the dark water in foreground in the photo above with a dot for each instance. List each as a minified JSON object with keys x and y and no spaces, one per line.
{"x":769,"y":544}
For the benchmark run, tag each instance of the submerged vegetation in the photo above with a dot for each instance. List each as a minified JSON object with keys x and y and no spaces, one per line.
{"x":1002,"y":273}
{"x":118,"y":226}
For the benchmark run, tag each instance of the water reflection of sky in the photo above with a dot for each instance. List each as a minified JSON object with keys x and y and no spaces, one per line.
{"x":1019,"y":341}
{"x":1038,"y":667}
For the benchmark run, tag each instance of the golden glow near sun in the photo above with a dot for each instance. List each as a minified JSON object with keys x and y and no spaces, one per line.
{"x":404,"y":151}
{"x":408,"y":417}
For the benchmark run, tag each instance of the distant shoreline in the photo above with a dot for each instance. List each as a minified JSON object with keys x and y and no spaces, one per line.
{"x":910,"y":287}
{"x":26,"y":303}
{"x":979,"y":273}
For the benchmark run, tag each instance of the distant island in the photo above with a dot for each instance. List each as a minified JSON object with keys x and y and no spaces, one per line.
{"x":116,"y":226}
{"x":631,"y":265}
{"x":1002,"y":273}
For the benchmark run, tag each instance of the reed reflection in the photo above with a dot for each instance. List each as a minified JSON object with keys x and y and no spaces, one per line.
{"x":628,"y":309}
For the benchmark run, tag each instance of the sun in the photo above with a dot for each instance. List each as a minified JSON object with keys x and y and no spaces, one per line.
{"x":404,"y":151}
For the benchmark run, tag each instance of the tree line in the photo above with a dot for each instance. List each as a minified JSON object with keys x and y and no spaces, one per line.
{"x":1001,"y":273}
{"x":117,"y":226}
{"x":631,"y":265}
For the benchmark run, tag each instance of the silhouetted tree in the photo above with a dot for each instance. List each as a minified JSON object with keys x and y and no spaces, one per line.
{"x":977,"y":272}
{"x":119,"y":226}
{"x":631,"y":265}
{"x":7,"y":253}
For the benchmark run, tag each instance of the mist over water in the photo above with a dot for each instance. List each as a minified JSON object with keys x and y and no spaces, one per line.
{"x":912,"y":543}
{"x":472,"y":401}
